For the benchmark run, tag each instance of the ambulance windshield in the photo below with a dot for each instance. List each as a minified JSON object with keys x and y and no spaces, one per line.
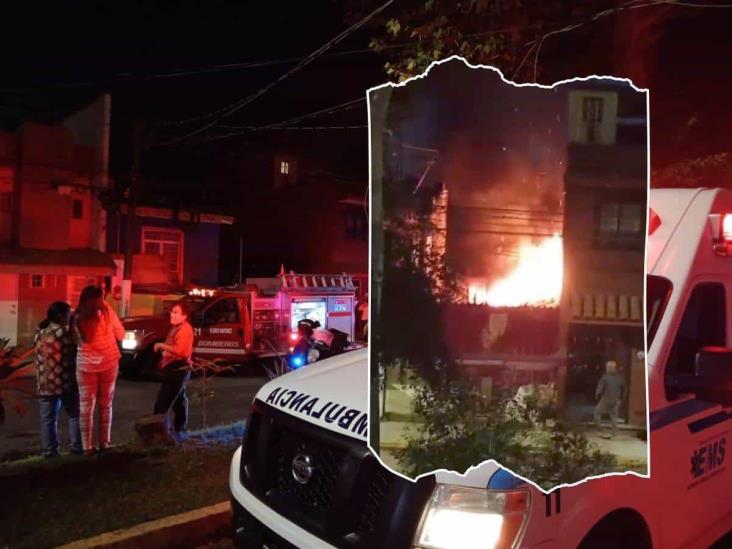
{"x":658,"y":290}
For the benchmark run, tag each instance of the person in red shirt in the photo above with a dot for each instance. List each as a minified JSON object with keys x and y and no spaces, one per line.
{"x":175,"y":364}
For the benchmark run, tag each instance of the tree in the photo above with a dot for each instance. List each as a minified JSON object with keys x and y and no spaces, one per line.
{"x":507,"y":34}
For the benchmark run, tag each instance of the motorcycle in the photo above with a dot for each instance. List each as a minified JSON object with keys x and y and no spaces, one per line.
{"x":315,"y":344}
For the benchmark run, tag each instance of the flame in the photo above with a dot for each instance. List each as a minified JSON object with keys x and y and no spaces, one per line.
{"x":536,"y":281}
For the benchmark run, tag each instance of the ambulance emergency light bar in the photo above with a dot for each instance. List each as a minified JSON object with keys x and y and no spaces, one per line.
{"x":721,"y":225}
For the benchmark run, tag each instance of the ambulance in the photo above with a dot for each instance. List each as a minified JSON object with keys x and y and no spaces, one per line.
{"x":304,"y":476}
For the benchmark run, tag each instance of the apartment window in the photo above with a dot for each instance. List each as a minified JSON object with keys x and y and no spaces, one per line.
{"x":6,"y":202}
{"x":77,"y":209}
{"x":356,"y":224}
{"x":36,"y":281}
{"x":592,"y":109}
{"x":284,"y":167}
{"x":285,"y":172}
{"x":167,"y":243}
{"x":620,"y":225}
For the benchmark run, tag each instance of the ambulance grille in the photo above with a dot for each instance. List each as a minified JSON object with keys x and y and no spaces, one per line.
{"x":350,"y":500}
{"x":379,"y":487}
{"x":326,"y":461}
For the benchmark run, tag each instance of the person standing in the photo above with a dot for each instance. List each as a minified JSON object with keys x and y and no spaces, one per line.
{"x":609,"y":393}
{"x":175,"y":364}
{"x":55,"y":351}
{"x":97,"y":363}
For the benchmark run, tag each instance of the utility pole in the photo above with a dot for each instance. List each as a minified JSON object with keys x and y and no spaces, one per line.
{"x":131,"y":221}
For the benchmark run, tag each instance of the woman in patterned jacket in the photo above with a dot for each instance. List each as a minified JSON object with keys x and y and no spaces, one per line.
{"x":55,"y":350}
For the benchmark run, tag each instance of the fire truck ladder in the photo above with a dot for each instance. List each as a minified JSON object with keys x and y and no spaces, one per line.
{"x":295,"y":280}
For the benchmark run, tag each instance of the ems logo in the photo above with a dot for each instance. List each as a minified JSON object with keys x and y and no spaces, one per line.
{"x":708,"y":459}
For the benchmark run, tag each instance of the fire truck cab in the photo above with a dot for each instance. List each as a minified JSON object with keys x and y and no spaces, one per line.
{"x":305,"y":478}
{"x":253,"y":320}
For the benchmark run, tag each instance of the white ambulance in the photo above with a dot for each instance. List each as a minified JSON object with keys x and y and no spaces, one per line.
{"x":305,"y":478}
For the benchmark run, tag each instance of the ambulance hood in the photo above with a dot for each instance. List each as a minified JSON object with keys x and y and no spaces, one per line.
{"x":332,"y":394}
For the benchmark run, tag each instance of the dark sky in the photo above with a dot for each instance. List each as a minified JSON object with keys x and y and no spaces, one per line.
{"x":59,"y":53}
{"x":79,"y":49}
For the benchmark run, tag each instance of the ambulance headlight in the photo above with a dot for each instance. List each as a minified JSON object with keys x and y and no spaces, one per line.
{"x":131,"y":340}
{"x":458,"y":517}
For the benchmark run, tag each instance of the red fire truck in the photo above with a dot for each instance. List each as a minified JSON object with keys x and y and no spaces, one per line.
{"x":249,"y":321}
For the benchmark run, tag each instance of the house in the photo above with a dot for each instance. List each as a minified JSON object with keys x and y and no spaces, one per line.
{"x":173,"y":250}
{"x":604,"y":236}
{"x":52,"y":226}
{"x":297,"y":213}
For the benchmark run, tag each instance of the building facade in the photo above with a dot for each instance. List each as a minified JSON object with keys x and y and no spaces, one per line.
{"x":604,"y":237}
{"x":52,"y":226}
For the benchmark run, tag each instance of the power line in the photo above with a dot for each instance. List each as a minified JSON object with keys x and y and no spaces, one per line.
{"x":238,"y":105}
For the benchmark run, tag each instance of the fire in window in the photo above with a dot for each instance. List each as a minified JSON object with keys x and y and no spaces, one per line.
{"x":77,"y":209}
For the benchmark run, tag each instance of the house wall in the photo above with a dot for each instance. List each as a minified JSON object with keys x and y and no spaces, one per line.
{"x":200,"y":245}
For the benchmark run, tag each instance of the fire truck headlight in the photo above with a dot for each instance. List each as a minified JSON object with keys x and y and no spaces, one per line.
{"x":472,"y":517}
{"x":313,"y":356}
{"x":130,"y":341}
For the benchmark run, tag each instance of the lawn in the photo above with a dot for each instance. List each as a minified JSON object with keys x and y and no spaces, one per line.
{"x":45,"y":503}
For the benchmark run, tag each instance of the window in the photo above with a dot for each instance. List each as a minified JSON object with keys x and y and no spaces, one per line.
{"x":224,"y":311}
{"x":658,"y":290}
{"x":284,"y":167}
{"x":169,"y":244}
{"x":36,"y":281}
{"x":6,"y":202}
{"x":592,"y":109}
{"x":77,"y":209}
{"x":702,"y":325}
{"x":356,"y":224}
{"x":620,"y":225}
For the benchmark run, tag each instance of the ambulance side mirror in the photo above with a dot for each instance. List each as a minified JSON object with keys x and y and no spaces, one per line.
{"x":714,"y":375}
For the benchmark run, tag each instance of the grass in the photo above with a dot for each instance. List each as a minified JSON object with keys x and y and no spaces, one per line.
{"x":46,"y":503}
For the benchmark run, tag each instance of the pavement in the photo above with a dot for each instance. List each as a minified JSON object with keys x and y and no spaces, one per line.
{"x":133,"y":399}
{"x":198,"y":528}
{"x":399,"y":426}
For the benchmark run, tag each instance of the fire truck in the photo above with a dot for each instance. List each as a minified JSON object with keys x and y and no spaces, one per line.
{"x":255,"y":320}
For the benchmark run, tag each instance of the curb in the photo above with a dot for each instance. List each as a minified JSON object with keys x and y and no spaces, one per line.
{"x":184,"y":530}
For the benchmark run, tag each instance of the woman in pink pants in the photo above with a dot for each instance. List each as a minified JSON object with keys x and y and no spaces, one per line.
{"x":97,"y":362}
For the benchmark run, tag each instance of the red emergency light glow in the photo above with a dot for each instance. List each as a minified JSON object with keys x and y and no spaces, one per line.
{"x":202,"y":292}
{"x":727,"y":227}
{"x":293,"y":336}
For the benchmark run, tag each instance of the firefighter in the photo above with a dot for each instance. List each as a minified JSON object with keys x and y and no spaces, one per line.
{"x":305,"y":329}
{"x":610,"y":393}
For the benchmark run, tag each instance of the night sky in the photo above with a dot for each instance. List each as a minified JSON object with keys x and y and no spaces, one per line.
{"x":57,"y":55}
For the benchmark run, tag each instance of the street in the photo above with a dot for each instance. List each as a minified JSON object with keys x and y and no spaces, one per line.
{"x":133,"y":399}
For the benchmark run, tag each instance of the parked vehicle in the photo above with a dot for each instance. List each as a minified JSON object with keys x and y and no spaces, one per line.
{"x":304,"y":476}
{"x":256,"y":320}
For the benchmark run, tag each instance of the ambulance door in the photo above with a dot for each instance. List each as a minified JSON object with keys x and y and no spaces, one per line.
{"x":222,"y":332}
{"x":690,"y":437}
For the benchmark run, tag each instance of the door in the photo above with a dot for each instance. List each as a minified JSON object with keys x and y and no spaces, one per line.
{"x":690,"y":443}
{"x":9,"y":307}
{"x":222,"y":332}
